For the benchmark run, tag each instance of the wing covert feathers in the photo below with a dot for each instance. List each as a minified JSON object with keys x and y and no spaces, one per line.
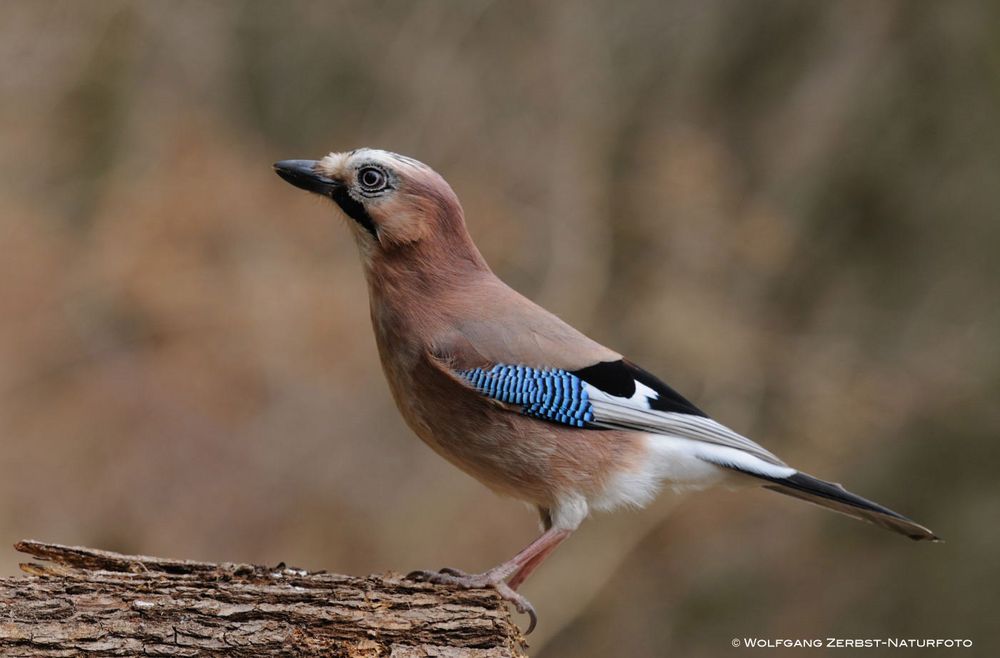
{"x":606,"y":395}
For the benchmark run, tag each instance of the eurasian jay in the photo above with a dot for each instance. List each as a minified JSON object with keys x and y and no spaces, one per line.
{"x":514,"y":396}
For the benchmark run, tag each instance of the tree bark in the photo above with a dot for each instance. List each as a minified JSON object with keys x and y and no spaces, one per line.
{"x":82,"y":601}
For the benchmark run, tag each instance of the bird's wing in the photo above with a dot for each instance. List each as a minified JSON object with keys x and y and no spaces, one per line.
{"x":606,"y":395}
{"x":515,"y":352}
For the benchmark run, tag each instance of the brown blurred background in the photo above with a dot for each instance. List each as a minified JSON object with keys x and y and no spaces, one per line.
{"x":790,"y":211}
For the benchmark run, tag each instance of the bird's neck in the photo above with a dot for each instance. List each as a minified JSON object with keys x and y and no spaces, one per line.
{"x":423,"y":270}
{"x":412,"y":289}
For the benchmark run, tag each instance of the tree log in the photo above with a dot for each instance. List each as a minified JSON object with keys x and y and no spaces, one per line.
{"x":82,"y":601}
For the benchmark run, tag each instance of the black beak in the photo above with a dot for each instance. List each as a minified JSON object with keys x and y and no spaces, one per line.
{"x":302,"y":173}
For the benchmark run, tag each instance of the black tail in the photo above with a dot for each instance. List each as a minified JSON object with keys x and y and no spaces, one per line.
{"x":837,"y":498}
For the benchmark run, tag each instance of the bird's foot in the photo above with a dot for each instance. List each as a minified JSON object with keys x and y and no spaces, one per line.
{"x":486,"y":580}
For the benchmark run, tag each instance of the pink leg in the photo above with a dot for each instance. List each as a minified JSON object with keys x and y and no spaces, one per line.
{"x":517,"y":569}
{"x":532,"y":554}
{"x":529,"y":567}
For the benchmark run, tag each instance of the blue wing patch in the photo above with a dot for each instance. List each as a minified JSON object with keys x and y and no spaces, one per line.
{"x":551,"y":394}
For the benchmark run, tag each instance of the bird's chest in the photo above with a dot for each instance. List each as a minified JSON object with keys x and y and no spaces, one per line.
{"x":403,"y":341}
{"x":506,"y":451}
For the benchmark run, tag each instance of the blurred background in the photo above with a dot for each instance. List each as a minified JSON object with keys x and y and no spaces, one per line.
{"x":787,"y":210}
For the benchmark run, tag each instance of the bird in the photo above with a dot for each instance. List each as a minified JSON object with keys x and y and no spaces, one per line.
{"x":516,"y":397}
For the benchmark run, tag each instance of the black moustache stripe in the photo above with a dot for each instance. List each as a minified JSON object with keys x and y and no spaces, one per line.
{"x":354,"y":210}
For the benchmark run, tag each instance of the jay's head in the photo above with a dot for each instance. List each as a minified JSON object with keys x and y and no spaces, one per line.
{"x":394,"y":203}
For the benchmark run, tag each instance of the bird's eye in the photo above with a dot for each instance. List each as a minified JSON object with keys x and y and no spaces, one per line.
{"x":372,"y":179}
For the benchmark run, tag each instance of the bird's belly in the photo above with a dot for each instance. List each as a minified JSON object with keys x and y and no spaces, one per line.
{"x":513,"y":454}
{"x":520,"y":456}
{"x":497,"y":448}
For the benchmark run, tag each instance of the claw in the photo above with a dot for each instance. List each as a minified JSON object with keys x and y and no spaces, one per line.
{"x":420,"y":575}
{"x":425,"y":575}
{"x":533,"y":621}
{"x":453,"y":572}
{"x":520,"y":603}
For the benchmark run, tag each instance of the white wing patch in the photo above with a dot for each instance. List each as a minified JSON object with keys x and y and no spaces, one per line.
{"x":635,"y":413}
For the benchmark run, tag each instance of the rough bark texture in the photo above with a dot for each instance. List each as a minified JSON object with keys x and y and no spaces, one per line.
{"x":82,"y":601}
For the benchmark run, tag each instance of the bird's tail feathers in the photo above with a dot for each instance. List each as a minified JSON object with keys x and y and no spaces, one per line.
{"x":835,"y":497}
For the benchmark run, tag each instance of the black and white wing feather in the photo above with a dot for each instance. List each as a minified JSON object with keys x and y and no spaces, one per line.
{"x":609,"y":395}
{"x":624,"y":396}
